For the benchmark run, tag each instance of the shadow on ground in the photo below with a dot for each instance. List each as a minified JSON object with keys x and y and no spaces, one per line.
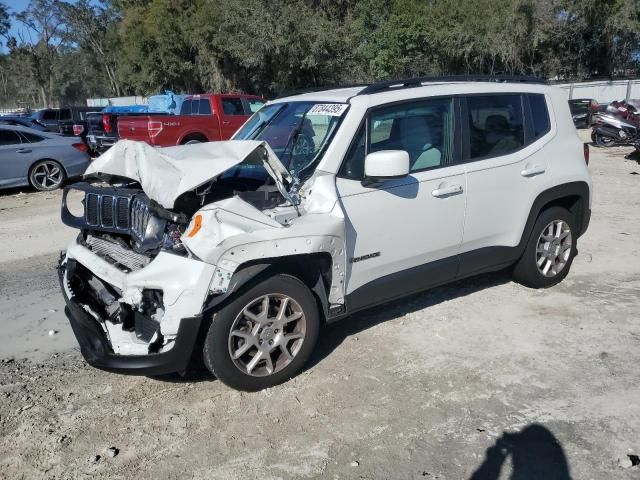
{"x":333,"y":335}
{"x":535,"y":454}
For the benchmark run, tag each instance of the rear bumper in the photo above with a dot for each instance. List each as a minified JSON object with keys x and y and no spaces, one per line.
{"x":98,"y":352}
{"x":100,"y":143}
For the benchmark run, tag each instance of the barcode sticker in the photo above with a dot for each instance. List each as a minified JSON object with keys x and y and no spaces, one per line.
{"x":331,"y":109}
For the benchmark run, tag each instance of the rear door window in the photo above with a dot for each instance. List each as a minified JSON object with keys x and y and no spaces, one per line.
{"x":65,"y":114}
{"x":495,"y":124}
{"x":9,"y":137}
{"x":232,"y":106}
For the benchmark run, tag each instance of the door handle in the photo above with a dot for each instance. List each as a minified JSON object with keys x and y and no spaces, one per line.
{"x":226,"y":123}
{"x":532,"y":171}
{"x":446,"y":191}
{"x":23,"y":150}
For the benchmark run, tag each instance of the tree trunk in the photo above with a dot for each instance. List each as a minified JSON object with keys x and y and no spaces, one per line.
{"x":43,"y":97}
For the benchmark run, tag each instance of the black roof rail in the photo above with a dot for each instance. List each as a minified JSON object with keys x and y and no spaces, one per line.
{"x":419,"y":81}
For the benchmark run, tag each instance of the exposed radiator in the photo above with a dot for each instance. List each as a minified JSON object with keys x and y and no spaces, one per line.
{"x":116,"y":253}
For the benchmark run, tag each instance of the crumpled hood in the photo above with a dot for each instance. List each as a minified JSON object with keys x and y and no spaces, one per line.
{"x":167,"y":173}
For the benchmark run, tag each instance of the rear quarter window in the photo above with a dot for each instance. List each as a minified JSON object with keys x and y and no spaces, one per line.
{"x":539,"y":115}
{"x":32,"y":138}
{"x":185,"y":109}
{"x":204,"y":107}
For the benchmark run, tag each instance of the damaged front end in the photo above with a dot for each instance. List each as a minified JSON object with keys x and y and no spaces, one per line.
{"x":164,"y":237}
{"x":134,"y":291}
{"x":103,"y":325}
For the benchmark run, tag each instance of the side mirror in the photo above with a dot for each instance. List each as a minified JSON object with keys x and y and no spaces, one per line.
{"x":385,"y":164}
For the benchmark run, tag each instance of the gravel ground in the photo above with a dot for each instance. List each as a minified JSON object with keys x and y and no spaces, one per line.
{"x":483,"y":379}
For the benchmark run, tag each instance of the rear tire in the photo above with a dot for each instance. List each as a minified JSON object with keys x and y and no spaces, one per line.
{"x":550,"y":251}
{"x":47,"y":175}
{"x":264,"y":336}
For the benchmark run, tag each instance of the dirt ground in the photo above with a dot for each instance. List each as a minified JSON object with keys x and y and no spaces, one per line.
{"x":482,"y":380}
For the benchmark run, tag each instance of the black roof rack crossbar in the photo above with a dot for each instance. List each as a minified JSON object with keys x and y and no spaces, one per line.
{"x":419,"y":81}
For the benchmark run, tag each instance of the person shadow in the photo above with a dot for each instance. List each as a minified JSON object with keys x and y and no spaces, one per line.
{"x":535,"y":453}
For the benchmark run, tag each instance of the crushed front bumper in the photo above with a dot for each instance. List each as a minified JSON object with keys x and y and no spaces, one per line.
{"x":97,"y":351}
{"x":100,"y":329}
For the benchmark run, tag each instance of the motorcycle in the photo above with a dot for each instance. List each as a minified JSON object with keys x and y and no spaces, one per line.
{"x":617,"y":126}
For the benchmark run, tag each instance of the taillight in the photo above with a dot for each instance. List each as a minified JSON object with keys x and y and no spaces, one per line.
{"x":78,"y":129}
{"x":80,"y":146}
{"x":154,"y":127}
{"x":106,"y":123}
{"x":585,"y":150}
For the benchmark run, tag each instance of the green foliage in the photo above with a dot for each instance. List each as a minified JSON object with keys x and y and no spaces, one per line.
{"x":272,"y":46}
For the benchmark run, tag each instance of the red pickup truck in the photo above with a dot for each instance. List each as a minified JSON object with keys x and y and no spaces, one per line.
{"x":203,"y":118}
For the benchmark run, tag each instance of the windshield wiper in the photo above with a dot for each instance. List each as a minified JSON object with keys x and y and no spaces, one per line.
{"x":294,"y":138}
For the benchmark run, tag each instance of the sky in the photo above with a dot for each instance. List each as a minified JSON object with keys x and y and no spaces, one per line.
{"x":16,"y":6}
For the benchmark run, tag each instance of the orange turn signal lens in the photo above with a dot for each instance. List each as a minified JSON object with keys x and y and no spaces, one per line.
{"x":197,"y":225}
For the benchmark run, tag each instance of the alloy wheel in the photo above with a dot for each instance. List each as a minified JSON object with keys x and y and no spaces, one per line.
{"x":267,"y":335}
{"x":553,"y":249}
{"x":47,"y":176}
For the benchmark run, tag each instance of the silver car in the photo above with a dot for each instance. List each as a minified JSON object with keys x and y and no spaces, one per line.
{"x":41,"y":159}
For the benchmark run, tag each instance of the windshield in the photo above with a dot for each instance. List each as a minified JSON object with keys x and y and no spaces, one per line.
{"x":298,"y":132}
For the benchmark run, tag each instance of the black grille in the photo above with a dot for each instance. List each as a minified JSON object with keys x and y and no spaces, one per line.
{"x":107,"y":211}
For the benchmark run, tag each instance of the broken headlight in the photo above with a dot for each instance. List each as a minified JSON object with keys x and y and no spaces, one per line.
{"x":154,"y":228}
{"x":171,"y":240}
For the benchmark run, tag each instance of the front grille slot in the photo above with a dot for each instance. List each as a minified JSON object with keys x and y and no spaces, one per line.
{"x":122,"y":213}
{"x":106,"y":211}
{"x":91,"y":208}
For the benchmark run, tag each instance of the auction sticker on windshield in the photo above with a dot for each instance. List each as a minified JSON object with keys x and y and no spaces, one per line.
{"x":331,"y":109}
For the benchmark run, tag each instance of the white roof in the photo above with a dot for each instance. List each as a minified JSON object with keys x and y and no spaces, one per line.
{"x":340,"y":95}
{"x":427,"y":89}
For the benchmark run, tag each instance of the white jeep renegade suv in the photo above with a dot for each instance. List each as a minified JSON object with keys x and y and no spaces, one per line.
{"x":323,"y":204}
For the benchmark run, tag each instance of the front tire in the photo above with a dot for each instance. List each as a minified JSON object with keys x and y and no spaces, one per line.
{"x":264,"y":336}
{"x":550,"y":250}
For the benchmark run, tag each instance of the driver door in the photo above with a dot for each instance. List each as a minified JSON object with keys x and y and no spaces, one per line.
{"x":404,"y":235}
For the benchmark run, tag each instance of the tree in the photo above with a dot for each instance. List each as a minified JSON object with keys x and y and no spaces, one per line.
{"x":5,"y":24}
{"x":93,"y":28}
{"x":43,"y":20}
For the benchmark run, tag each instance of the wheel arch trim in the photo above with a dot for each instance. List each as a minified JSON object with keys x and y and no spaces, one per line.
{"x":574,"y":196}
